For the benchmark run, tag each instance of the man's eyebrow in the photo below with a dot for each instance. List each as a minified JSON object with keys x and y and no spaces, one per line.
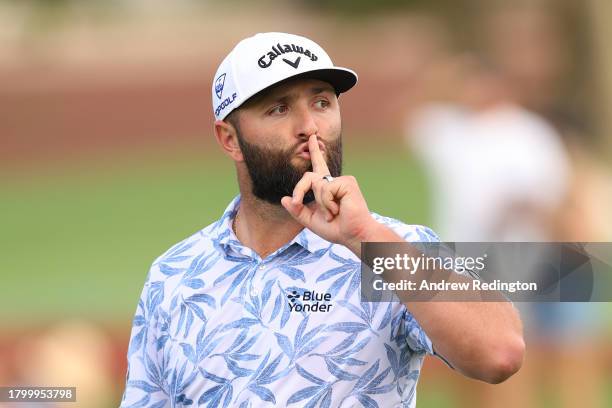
{"x":281,"y":98}
{"x":289,"y":96}
{"x":320,"y":89}
{"x":286,"y":97}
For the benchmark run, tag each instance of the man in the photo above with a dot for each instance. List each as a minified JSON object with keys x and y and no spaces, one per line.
{"x":262,"y":308}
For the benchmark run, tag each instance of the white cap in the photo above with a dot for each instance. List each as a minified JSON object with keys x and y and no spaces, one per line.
{"x":265,"y":59}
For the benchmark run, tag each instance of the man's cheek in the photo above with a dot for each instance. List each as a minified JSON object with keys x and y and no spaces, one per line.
{"x":335,"y":129}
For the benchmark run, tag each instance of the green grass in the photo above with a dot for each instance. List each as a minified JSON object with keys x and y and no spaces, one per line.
{"x":77,"y":242}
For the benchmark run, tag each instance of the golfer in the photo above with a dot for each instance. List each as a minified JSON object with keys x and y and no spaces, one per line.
{"x":262,"y":308}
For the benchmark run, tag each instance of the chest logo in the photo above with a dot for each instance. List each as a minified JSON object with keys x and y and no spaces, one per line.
{"x":309,"y":301}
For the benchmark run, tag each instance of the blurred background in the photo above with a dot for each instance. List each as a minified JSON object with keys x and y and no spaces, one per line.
{"x":488,"y":120}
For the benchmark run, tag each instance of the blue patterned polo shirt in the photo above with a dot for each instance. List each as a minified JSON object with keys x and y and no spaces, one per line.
{"x":217,"y":326}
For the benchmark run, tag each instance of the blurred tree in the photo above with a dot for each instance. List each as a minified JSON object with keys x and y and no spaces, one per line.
{"x":44,"y":5}
{"x":358,"y":7}
{"x":44,"y":16}
{"x":600,"y":13}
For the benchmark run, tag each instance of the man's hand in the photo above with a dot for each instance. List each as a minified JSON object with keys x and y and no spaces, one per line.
{"x":481,"y":340}
{"x":339,"y":213}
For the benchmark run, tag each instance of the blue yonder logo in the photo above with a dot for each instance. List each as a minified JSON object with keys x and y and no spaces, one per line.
{"x":310,"y":301}
{"x":219,"y":82}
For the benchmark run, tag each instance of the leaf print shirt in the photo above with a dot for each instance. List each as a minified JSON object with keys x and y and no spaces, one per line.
{"x":217,"y":326}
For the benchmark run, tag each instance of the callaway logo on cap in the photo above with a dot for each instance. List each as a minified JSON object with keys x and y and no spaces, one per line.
{"x":265,"y":59}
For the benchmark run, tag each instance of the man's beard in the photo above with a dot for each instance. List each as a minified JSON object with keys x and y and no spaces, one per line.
{"x":272,"y":174}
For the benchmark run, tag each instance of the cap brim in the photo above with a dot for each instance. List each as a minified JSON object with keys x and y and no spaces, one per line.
{"x":342,"y":79}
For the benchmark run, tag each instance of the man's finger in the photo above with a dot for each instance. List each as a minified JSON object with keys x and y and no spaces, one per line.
{"x":327,"y":196}
{"x":317,"y":188}
{"x":316,"y":157}
{"x":299,"y":212}
{"x":302,"y":187}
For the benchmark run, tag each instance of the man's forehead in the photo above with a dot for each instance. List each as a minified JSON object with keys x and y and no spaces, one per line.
{"x":292,"y":86}
{"x":307,"y":84}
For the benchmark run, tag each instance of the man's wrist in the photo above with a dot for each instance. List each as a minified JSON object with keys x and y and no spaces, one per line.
{"x":372,"y":231}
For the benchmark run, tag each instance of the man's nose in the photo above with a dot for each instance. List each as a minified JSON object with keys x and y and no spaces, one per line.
{"x":305,"y":123}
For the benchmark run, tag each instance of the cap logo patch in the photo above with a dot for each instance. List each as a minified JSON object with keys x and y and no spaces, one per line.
{"x":226,"y":102}
{"x":219,"y":82}
{"x":295,"y":63}
{"x":277,"y":50}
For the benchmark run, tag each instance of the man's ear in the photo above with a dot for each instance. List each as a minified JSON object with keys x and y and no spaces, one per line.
{"x":227,"y":138}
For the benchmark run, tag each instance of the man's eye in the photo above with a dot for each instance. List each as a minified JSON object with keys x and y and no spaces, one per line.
{"x":322,"y":103}
{"x":280,"y":109}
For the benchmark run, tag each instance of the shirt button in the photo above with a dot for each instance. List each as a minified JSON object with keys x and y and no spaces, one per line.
{"x":262,"y":267}
{"x":253,"y":292}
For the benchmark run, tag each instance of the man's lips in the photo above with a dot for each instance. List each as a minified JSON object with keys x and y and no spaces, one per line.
{"x":304,"y":155}
{"x":304,"y":152}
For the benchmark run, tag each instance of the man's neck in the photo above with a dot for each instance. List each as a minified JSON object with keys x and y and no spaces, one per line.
{"x":262,"y":226}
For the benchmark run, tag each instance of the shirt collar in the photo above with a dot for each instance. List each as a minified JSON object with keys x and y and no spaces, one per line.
{"x":224,"y":235}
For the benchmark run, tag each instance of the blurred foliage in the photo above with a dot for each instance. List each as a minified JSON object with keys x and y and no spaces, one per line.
{"x":43,"y":3}
{"x":43,"y":16}
{"x":339,"y":8}
{"x":357,"y":7}
{"x":367,"y":8}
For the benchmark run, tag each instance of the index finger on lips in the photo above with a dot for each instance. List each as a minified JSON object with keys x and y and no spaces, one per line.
{"x":316,"y":157}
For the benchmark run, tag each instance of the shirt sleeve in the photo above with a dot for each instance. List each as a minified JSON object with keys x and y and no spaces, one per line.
{"x":411,"y":331}
{"x":415,"y":336}
{"x":145,"y":384}
{"x":410,"y":233}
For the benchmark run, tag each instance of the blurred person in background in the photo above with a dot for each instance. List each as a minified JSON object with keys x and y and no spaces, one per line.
{"x":533,"y":49}
{"x":527,"y":44}
{"x":498,"y":171}
{"x":501,"y":171}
